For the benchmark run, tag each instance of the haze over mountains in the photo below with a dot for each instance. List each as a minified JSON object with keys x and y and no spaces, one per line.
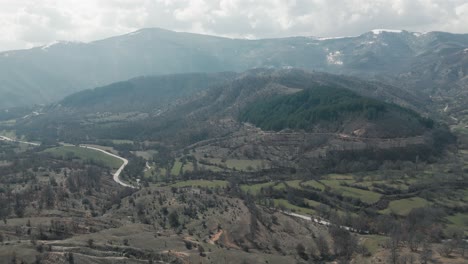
{"x":166,"y":147}
{"x":433,"y":63}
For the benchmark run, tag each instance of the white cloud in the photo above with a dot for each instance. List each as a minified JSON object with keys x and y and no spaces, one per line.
{"x":27,"y":23}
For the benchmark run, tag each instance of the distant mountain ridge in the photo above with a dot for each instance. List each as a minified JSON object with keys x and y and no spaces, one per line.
{"x":428,"y":62}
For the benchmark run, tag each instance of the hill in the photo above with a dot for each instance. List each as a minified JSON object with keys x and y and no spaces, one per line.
{"x":144,"y":94}
{"x":314,"y":116}
{"x":164,"y":107}
{"x":321,"y":107}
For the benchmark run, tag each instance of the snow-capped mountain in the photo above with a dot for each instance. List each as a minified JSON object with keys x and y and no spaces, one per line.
{"x":428,"y":61}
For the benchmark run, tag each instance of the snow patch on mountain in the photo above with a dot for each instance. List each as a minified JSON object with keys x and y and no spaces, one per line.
{"x":419,"y":34}
{"x":134,"y":33}
{"x":58,"y":42}
{"x":380,"y":31}
{"x":332,"y":38}
{"x":334,"y":58}
{"x":368,"y":43}
{"x":374,"y":42}
{"x":47,"y":46}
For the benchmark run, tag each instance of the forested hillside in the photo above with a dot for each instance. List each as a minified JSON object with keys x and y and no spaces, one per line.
{"x":352,"y":115}
{"x":168,"y":107}
{"x":323,"y":105}
{"x":144,"y":94}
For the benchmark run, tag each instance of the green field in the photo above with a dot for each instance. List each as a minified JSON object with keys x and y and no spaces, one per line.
{"x":404,"y":206}
{"x":312,"y":203}
{"x":209,"y":168}
{"x":396,"y":184}
{"x":452,"y":201}
{"x":363,"y":195}
{"x":188,"y":167}
{"x":280,"y":186}
{"x":343,"y":177}
{"x":255,"y":188}
{"x":464,"y":154}
{"x":8,"y":122}
{"x":245,"y":165}
{"x":201,"y":183}
{"x":314,"y":184}
{"x":176,"y":168}
{"x":147,"y":155}
{"x":85,"y":154}
{"x":459,"y":221}
{"x":8,"y":133}
{"x":284,"y":203}
{"x":373,"y":242}
{"x":296,"y":184}
{"x":239,"y":164}
{"x":122,"y":141}
{"x":336,"y":184}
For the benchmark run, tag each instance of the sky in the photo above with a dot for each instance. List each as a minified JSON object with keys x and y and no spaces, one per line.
{"x":29,"y":23}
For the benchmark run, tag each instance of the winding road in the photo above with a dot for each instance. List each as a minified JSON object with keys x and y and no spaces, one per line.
{"x":116,"y":175}
{"x":19,"y":141}
{"x":323,"y":222}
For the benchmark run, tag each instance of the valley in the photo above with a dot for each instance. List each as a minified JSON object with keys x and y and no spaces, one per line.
{"x":108,"y":243}
{"x":218,"y":181}
{"x":169,"y":147}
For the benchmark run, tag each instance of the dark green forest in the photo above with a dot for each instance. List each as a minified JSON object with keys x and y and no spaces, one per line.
{"x":303,"y":110}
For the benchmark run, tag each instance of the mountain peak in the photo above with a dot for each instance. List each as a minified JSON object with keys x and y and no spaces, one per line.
{"x":150,"y":29}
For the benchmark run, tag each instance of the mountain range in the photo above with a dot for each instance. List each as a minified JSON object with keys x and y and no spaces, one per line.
{"x":167,"y":147}
{"x":425,"y":64}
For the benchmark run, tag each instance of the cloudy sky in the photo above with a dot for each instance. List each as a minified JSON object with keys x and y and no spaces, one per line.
{"x":27,"y":23}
